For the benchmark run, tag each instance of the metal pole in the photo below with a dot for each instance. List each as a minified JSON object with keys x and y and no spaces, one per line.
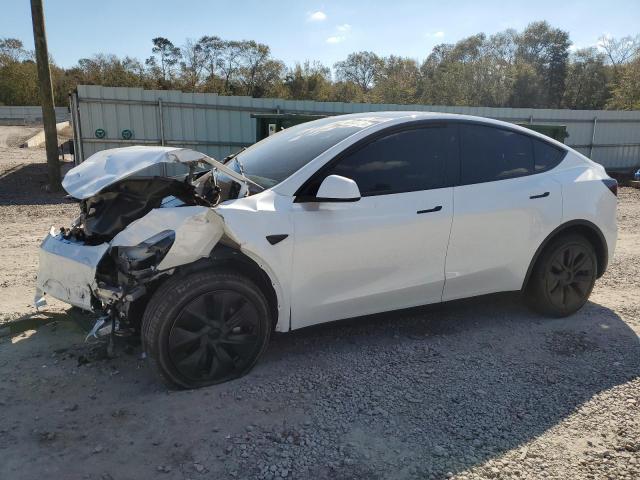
{"x":80,"y":137}
{"x":46,"y":94}
{"x":161,"y":114}
{"x":593,"y":136}
{"x":161,"y":121}
{"x":78,"y":152}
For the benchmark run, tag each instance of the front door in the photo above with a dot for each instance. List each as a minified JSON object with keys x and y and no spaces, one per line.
{"x":387,"y":250}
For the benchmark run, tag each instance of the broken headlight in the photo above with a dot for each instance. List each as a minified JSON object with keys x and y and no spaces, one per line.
{"x":142,"y":259}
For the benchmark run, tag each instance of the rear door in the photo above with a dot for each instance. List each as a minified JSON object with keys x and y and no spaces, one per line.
{"x":387,"y":250}
{"x":503,"y":211}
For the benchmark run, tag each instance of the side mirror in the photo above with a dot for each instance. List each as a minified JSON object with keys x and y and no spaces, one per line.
{"x":335,"y":188}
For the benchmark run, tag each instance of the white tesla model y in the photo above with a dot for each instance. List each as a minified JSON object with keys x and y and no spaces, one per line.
{"x":340,"y":217}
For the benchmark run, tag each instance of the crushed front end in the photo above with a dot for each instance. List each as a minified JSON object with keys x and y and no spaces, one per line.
{"x":132,"y":230}
{"x":67,"y":271}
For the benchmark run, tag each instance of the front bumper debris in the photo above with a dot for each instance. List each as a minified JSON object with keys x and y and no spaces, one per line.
{"x":67,"y":271}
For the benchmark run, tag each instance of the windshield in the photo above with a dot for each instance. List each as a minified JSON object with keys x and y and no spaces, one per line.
{"x":275,"y":158}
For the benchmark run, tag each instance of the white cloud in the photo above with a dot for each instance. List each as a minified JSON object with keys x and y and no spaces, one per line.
{"x":342,"y":32}
{"x":438,"y":34}
{"x":317,"y":16}
{"x":336,"y":39}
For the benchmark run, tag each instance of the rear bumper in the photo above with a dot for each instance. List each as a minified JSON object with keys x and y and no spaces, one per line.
{"x":67,"y":271}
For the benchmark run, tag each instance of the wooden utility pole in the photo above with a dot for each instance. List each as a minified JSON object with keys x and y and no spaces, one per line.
{"x":46,"y":94}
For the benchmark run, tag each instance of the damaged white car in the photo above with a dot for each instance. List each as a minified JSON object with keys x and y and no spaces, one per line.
{"x":336,"y":218}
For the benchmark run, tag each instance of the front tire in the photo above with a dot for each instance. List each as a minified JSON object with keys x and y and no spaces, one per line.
{"x":563,"y":276}
{"x":205,"y":328}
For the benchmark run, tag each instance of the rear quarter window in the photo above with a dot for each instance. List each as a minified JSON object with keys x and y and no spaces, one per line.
{"x":546,"y":156}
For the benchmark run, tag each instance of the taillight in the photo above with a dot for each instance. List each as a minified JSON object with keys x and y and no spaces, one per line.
{"x":612,"y":185}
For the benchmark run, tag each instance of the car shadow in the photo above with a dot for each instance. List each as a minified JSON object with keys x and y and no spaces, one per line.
{"x":410,"y":394}
{"x":27,"y":184}
{"x":454,"y":385}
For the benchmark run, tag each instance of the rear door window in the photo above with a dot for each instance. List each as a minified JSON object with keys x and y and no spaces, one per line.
{"x":489,"y":154}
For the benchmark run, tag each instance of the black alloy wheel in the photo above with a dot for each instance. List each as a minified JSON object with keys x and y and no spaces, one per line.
{"x":215,"y":335}
{"x":563,"y":277}
{"x":570,"y":276}
{"x":205,"y":328}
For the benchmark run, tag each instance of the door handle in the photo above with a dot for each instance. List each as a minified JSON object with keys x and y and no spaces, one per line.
{"x":542,"y":195}
{"x":434,"y":209}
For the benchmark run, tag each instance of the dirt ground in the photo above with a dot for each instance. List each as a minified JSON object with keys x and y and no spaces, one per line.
{"x":474,"y":389}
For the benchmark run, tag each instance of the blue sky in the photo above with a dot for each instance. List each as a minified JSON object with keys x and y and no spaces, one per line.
{"x":299,"y":30}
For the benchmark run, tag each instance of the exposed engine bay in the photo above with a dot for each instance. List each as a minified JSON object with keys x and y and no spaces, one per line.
{"x":134,"y":227}
{"x":106,"y":214}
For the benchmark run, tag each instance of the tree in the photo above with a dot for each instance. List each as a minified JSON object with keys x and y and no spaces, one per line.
{"x":533,"y":68}
{"x":194,"y":61}
{"x":499,"y":61}
{"x":229,"y":63}
{"x":471,"y":69}
{"x":258,"y":72}
{"x":527,"y":87}
{"x":619,"y":51}
{"x":360,"y":68}
{"x":162,"y":64}
{"x":587,"y":80}
{"x":12,"y":51}
{"x":18,"y":74}
{"x":308,"y":81}
{"x":546,"y":49}
{"x":109,"y":70}
{"x":212,"y":48}
{"x":397,"y":81}
{"x":19,"y":84}
{"x":503,"y":45}
{"x":453,"y":72}
{"x":476,"y":71}
{"x":347,"y":92}
{"x":626,"y":92}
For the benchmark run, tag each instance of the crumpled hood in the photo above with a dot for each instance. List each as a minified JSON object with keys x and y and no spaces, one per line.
{"x":107,"y":167}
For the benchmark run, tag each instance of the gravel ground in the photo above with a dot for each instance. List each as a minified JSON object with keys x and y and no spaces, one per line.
{"x":480,"y":388}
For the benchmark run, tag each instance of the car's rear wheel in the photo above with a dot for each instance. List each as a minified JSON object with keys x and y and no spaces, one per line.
{"x":205,"y":328}
{"x":563,"y":276}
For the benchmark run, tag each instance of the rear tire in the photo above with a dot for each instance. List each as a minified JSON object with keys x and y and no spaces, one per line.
{"x":205,"y":328}
{"x":563,"y":277}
